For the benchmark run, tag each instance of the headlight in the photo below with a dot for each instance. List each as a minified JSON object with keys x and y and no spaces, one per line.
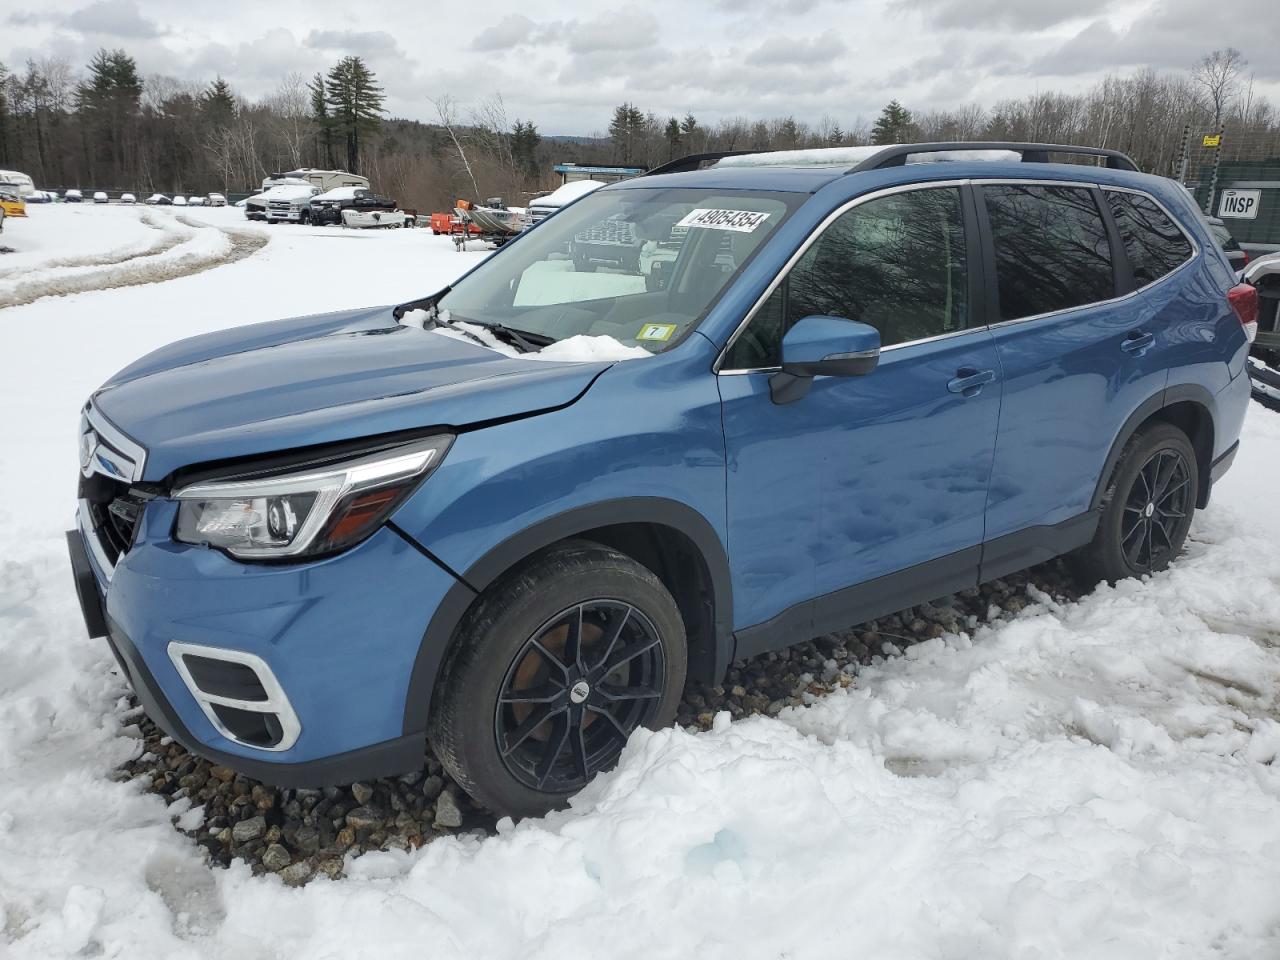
{"x":309,"y":512}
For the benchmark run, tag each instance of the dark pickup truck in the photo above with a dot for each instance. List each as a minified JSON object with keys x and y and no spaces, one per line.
{"x":327,"y":207}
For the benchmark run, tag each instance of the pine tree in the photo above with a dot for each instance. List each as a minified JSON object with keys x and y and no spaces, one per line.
{"x":107,"y":101}
{"x":524,"y":145}
{"x":893,"y":125}
{"x":218,"y":103}
{"x":354,"y":99}
{"x":673,"y":138}
{"x":323,"y":122}
{"x":625,"y":129}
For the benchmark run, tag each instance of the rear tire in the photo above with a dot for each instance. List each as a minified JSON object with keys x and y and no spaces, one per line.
{"x":1146,"y":509}
{"x":552,"y":668}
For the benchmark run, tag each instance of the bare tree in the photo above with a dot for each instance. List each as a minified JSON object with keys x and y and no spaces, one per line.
{"x":293,"y":127}
{"x":447,"y":111}
{"x":1218,"y":75}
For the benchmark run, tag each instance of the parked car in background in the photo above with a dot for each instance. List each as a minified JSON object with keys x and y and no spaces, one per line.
{"x":158,"y":200}
{"x":1264,"y":360}
{"x":327,"y":207}
{"x":41,"y":196}
{"x":290,"y":203}
{"x":255,"y":207}
{"x":217,"y":200}
{"x":542,"y":207}
{"x":318,"y":545}
{"x":73,"y":196}
{"x":11,"y":201}
{"x":128,"y":198}
{"x":100,"y":196}
{"x":196,"y":201}
{"x":179,"y":200}
{"x":1238,"y":257}
{"x":19,"y":182}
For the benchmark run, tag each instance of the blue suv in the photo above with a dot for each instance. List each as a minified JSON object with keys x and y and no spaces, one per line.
{"x":693,"y":417}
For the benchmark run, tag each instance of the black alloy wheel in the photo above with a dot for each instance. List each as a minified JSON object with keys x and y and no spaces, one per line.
{"x":577,"y":689}
{"x":1146,"y":510}
{"x":555,"y":665}
{"x":1158,"y":503}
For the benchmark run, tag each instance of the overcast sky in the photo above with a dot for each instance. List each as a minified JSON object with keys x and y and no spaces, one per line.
{"x":566,"y":64}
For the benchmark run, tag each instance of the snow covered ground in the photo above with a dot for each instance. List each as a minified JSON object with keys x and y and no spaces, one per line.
{"x":1092,"y":780}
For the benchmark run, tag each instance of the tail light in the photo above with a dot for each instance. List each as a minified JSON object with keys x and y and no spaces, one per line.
{"x":1245,"y":262}
{"x":1243,"y":298}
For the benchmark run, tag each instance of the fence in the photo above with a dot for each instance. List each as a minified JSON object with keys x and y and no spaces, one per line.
{"x":1236,"y":177}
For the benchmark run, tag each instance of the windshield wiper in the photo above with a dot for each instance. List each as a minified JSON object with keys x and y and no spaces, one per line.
{"x":523,"y":340}
{"x":526,"y":341}
{"x":440,"y":321}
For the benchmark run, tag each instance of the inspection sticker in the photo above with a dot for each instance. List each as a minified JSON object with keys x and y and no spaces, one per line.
{"x":656,"y":331}
{"x":740,"y":221}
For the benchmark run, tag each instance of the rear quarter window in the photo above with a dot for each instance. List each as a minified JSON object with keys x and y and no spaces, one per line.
{"x":1155,"y":245}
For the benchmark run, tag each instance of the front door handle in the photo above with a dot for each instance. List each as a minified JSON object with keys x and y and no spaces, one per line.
{"x":969,"y":381}
{"x":1137,"y":342}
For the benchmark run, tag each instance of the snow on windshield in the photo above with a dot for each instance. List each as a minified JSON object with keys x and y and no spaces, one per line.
{"x":576,"y":349}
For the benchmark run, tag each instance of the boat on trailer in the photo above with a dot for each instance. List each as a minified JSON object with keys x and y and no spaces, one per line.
{"x":352,"y":217}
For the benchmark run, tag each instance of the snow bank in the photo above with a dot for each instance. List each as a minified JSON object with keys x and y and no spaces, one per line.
{"x":1092,"y":780}
{"x":184,"y":247}
{"x":72,"y":235}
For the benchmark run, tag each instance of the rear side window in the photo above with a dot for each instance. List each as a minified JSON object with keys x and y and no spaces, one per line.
{"x":896,"y":263}
{"x":1051,"y":246}
{"x":1153,"y":242}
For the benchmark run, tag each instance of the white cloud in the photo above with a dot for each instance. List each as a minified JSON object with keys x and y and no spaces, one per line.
{"x":751,"y":58}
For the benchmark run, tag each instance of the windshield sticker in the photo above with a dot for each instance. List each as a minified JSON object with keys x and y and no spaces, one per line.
{"x":656,"y":331}
{"x":740,"y":221}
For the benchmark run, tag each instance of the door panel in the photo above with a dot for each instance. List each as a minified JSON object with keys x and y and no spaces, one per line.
{"x":864,"y":476}
{"x":1072,"y":377}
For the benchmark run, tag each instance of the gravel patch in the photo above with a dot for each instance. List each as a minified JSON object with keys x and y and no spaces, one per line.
{"x":301,"y":834}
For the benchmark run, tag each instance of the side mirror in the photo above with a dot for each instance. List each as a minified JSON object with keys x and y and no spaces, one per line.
{"x":820,"y":346}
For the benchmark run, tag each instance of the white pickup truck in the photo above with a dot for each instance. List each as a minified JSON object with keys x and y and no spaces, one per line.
{"x":289,"y":204}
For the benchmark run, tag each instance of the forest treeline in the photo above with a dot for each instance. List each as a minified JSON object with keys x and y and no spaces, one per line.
{"x":109,"y":127}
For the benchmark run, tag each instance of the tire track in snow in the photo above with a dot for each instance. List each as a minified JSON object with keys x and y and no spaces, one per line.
{"x":167,"y":239}
{"x":188,"y":249}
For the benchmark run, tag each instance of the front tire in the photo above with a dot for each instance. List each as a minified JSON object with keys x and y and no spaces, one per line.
{"x":1147,"y":508}
{"x":551,"y":671}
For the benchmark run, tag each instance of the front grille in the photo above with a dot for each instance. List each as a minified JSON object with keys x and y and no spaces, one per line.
{"x":114,"y":513}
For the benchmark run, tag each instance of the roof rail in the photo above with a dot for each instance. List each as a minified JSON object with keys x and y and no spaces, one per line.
{"x":693,"y":160}
{"x":896,"y":155}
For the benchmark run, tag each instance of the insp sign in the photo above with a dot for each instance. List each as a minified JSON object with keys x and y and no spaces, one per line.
{"x":1239,"y":204}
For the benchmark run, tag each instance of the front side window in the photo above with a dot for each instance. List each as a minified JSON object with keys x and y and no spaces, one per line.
{"x":897,"y":263}
{"x":641,"y":265}
{"x":1153,"y":242}
{"x":1052,"y":249}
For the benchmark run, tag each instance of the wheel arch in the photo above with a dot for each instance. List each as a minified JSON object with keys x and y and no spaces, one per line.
{"x":1188,"y":407}
{"x":670,"y":538}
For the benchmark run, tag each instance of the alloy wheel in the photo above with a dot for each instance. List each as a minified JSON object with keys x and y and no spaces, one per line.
{"x":1158,"y":503}
{"x":575,"y":692}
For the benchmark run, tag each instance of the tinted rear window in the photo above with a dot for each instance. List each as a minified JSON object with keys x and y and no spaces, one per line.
{"x":1153,"y":242}
{"x":1051,"y":246}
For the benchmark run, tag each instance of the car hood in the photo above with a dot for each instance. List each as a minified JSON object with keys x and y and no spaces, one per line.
{"x":339,"y":376}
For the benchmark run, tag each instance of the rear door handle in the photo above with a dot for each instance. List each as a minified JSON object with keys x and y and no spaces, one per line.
{"x":1137,"y":342}
{"x":969,"y":381}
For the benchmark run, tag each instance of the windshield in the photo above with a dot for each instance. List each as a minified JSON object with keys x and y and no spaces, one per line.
{"x":640,"y":265}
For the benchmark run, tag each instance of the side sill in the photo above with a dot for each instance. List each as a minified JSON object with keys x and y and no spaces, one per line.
{"x":926,"y":581}
{"x":864,"y":601}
